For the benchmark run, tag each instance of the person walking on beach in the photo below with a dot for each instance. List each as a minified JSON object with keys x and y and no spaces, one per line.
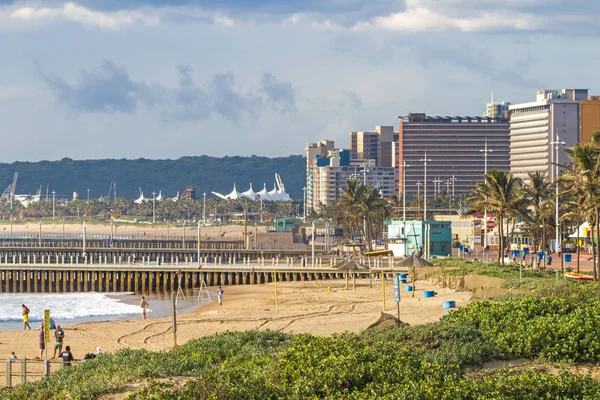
{"x":25,"y":312}
{"x":67,"y":356}
{"x":220,"y":295}
{"x":42,"y":341}
{"x":13,"y":356}
{"x":59,"y":335}
{"x":144,"y":305}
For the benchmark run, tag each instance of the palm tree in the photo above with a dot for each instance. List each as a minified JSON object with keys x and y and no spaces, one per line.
{"x":500,"y":193}
{"x":350,"y":203}
{"x":372,"y":206}
{"x":583,"y":180}
{"x":537,"y":192}
{"x":575,"y":214}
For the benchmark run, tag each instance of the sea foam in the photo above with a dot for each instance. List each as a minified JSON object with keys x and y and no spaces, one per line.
{"x":62,"y":306}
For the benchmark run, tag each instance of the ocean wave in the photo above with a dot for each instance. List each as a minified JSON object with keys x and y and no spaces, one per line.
{"x":63,"y":306}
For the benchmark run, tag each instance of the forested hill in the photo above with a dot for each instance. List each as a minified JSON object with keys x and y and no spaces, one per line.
{"x":205,"y":173}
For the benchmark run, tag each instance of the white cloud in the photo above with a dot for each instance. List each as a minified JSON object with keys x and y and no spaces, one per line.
{"x":32,"y":13}
{"x":86,"y":16}
{"x":223,"y":20}
{"x":421,"y":19}
{"x":478,"y":16}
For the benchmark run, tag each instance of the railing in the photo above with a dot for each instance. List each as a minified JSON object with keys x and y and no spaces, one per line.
{"x":27,"y":370}
{"x":135,"y":236}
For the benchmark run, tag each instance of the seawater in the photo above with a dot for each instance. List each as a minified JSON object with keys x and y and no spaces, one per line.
{"x":73,"y":308}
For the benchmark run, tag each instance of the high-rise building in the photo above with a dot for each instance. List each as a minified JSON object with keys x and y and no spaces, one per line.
{"x":553,"y":117}
{"x":454,"y":146}
{"x":329,"y":180}
{"x":494,"y":110}
{"x":589,"y":118}
{"x":314,"y":151}
{"x":377,"y":145}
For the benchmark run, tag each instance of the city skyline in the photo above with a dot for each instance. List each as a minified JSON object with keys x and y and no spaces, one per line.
{"x":166,"y":79}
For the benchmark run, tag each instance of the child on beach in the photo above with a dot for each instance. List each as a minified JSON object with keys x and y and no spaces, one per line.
{"x":67,"y":356}
{"x":144,"y":305}
{"x":25,"y":312}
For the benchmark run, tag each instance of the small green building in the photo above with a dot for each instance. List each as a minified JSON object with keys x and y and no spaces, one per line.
{"x":430,"y":238}
{"x":286,"y":224}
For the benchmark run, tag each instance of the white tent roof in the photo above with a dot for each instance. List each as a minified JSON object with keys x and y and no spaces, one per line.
{"x":249,"y":193}
{"x":159,"y":198}
{"x":274,"y":194}
{"x":234,"y":194}
{"x":141,"y":199}
{"x":283,"y":196}
{"x":264,"y":193}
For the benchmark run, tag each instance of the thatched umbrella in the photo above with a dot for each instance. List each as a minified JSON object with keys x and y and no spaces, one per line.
{"x":351,"y":266}
{"x":414,"y":261}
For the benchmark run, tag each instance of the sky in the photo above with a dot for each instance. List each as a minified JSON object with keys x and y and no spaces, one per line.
{"x":161,"y":79}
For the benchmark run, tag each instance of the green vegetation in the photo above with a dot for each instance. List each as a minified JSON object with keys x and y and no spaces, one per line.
{"x":205,"y":173}
{"x":435,"y":361}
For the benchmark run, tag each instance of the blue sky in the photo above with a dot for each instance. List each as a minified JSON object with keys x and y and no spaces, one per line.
{"x":165,"y":79}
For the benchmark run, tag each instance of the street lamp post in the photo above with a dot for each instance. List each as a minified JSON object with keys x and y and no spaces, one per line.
{"x":304,"y":202}
{"x":198,"y":243}
{"x":204,"y":209}
{"x":424,"y":161}
{"x":404,"y":166}
{"x":313,"y":244}
{"x":153,"y":207}
{"x":557,"y":228}
{"x":419,"y":184}
{"x":53,"y":202}
{"x":448,"y":197}
{"x":453,"y":179}
{"x":485,"y":152}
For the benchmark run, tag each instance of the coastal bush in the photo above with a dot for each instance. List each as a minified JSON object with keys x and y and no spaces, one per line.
{"x":435,"y":361}
{"x":442,"y":342}
{"x":554,"y":328}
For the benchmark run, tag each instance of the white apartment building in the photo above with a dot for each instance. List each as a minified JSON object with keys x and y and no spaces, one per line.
{"x":553,"y":117}
{"x":313,"y":152}
{"x":328,"y":181}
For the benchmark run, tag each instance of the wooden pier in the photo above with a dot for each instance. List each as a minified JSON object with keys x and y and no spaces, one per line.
{"x":165,"y":278}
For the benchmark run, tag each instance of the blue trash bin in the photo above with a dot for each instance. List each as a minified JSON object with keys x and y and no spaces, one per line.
{"x":409,"y":288}
{"x":428,"y":294}
{"x":568,"y":257}
{"x":449,"y":304}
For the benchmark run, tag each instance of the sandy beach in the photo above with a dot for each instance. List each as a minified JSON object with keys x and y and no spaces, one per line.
{"x":303,"y":307}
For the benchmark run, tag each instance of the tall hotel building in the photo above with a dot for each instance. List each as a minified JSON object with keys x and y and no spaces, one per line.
{"x":553,"y":117}
{"x":589,"y":118}
{"x":377,"y":145}
{"x":455,"y":147}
